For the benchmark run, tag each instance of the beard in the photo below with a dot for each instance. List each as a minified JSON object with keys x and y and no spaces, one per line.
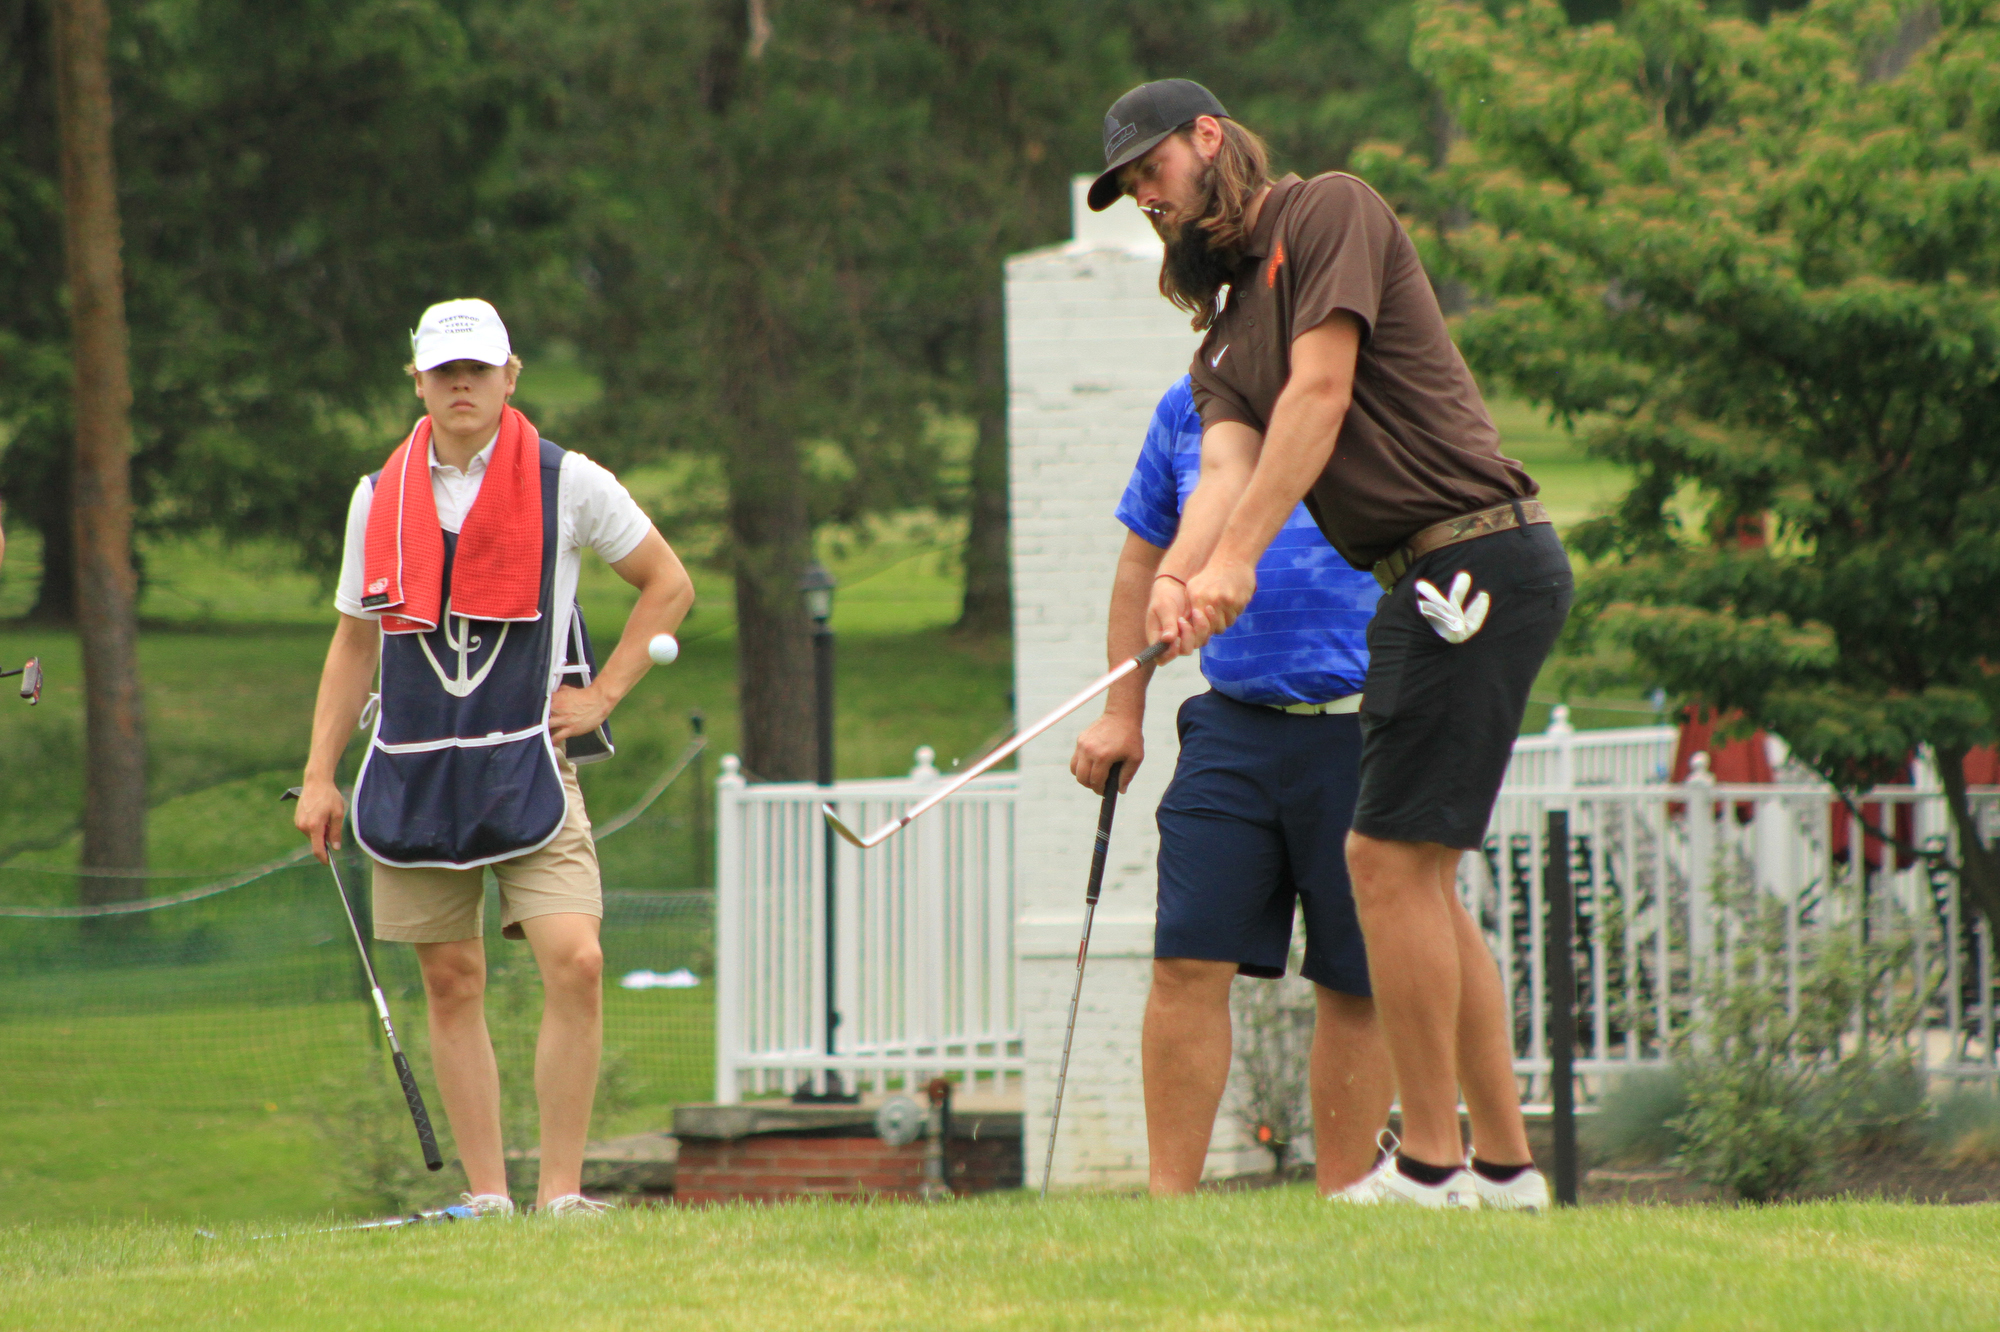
{"x":1194,"y":268}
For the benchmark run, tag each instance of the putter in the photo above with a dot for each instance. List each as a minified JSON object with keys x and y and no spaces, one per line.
{"x":426,"y":1137}
{"x":1090,"y":893}
{"x":455,"y":1213}
{"x":31,"y":680}
{"x":950,"y":788}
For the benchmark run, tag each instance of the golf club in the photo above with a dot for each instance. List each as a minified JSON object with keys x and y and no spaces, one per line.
{"x":31,"y":680}
{"x":442,"y":1214}
{"x":425,"y":1136}
{"x":1090,"y":892}
{"x":943,"y":793}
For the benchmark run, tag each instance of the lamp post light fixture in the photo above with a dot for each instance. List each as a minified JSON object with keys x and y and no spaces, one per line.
{"x":816,"y":587}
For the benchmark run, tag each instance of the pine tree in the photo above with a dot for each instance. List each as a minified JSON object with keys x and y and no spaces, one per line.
{"x":1765,"y":259}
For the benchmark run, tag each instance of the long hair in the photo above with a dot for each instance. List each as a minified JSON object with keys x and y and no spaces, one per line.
{"x":1242,"y":166}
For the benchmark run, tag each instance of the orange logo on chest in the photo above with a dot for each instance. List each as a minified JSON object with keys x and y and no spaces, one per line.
{"x":1277,"y":258}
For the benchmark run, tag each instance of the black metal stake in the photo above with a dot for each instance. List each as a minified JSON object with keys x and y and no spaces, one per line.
{"x":835,"y":1090}
{"x":1559,"y":977}
{"x":703,"y":876}
{"x":823,"y":710}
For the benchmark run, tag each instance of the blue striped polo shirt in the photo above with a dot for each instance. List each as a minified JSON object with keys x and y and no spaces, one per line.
{"x":1303,"y":637}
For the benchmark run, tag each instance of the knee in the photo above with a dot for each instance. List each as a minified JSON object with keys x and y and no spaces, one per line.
{"x":1182,"y":981}
{"x":1385,"y":875}
{"x":1340,"y":1009}
{"x":577,"y":970}
{"x":454,"y":982}
{"x":1368,"y":871}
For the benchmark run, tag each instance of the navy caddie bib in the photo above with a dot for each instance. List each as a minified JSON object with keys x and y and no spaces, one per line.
{"x":460,"y":770}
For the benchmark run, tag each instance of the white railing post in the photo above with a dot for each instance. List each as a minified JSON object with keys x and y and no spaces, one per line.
{"x":729,"y":957}
{"x":930,"y":1023}
{"x":1563,"y":738}
{"x":1701,"y":884}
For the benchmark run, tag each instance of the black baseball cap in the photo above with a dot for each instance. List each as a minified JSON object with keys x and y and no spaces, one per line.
{"x":1140,"y":119}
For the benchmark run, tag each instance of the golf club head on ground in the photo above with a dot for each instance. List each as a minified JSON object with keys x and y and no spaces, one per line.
{"x":31,"y":680}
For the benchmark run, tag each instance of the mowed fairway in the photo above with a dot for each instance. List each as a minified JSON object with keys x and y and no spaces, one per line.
{"x":1278,"y":1260}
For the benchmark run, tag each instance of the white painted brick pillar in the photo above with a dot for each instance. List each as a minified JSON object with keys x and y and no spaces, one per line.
{"x":1091,"y":346}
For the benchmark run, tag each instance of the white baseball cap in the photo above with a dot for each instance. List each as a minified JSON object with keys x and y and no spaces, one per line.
{"x":460,"y":331}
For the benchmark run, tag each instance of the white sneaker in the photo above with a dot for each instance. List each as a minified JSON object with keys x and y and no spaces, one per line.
{"x":487,"y":1204}
{"x":573,"y":1204}
{"x":1386,"y":1184}
{"x":1526,"y":1192}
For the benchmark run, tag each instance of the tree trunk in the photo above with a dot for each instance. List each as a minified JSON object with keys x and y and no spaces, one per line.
{"x":771,"y":544}
{"x":988,"y":607}
{"x":114,"y":806}
{"x":770,"y":528}
{"x":1979,"y":868}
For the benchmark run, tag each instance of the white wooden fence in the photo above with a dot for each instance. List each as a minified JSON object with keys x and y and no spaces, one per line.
{"x":924,"y":936}
{"x":1661,"y":873}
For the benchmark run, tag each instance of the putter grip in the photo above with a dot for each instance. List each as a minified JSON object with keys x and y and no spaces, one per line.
{"x":1098,"y":852}
{"x":426,"y":1137}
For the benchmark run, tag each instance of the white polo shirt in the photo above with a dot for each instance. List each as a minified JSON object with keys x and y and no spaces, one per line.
{"x":593,"y":511}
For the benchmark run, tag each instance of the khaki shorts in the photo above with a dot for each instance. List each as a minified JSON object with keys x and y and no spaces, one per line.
{"x":445,"y":905}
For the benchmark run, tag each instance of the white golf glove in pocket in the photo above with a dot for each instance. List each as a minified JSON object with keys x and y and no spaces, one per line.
{"x":1454,"y":620}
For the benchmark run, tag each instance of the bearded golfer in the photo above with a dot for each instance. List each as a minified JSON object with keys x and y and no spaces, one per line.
{"x":1253,"y":826}
{"x":459,"y":578}
{"x":1326,"y":356}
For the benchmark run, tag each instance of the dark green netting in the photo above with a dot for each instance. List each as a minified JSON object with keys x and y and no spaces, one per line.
{"x":252,"y":997}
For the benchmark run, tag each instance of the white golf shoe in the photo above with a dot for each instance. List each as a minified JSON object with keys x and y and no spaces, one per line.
{"x":487,"y":1204}
{"x":1386,"y":1184}
{"x":1526,"y":1192}
{"x":573,"y":1204}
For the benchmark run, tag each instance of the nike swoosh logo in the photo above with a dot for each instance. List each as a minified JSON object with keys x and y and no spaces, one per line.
{"x":1218,"y":356}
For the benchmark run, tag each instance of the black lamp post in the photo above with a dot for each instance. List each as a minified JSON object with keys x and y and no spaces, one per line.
{"x":816,"y":587}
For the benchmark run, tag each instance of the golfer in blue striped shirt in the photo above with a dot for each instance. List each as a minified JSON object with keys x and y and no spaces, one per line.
{"x":1253,"y":827}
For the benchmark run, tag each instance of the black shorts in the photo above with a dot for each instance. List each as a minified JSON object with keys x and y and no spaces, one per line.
{"x":1255,"y":821}
{"x":1438,"y":719}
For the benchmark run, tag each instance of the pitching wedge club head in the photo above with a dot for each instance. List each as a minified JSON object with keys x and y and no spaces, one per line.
{"x":847,"y":834}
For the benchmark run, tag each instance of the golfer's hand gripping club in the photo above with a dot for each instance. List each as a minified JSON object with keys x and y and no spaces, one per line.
{"x":412,"y":1096}
{"x":1103,"y":682}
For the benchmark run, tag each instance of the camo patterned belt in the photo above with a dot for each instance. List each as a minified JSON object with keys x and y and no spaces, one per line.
{"x":1484,"y":522}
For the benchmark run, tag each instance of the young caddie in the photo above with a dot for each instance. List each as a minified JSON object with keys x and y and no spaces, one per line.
{"x":459,"y":580}
{"x":1326,"y":358}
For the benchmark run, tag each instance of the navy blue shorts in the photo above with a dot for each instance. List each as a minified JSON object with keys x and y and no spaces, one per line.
{"x":1255,"y":821}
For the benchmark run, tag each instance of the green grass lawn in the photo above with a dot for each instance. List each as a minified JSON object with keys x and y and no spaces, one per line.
{"x":1272,"y":1260}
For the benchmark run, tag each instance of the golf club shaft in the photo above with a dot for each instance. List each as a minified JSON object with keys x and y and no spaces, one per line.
{"x":950,"y":788}
{"x":426,"y":1136}
{"x":1090,"y":895}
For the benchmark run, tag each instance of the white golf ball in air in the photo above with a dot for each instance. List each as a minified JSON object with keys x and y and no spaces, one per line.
{"x":663,"y":649}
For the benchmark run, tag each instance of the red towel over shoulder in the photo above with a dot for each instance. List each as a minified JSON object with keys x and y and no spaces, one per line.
{"x":497,"y":573}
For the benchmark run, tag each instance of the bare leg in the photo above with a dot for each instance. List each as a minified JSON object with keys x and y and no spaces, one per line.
{"x":1486,"y":1049}
{"x":468,"y":1079}
{"x":572,"y":1038}
{"x":1352,"y":1086}
{"x":1401,"y":894}
{"x":1184,"y":1049}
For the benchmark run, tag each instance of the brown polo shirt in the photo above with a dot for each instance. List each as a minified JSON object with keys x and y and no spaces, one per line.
{"x":1418,"y":445}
